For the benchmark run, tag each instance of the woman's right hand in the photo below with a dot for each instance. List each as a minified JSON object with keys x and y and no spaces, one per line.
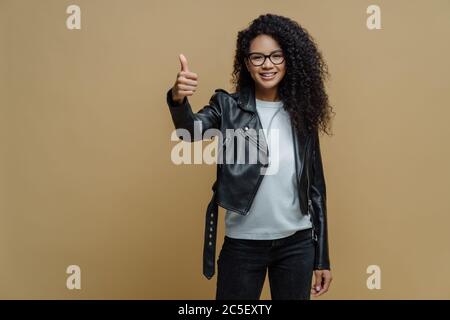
{"x":186,"y":82}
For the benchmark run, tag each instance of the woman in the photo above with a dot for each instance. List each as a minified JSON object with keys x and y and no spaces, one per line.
{"x":277,"y":222}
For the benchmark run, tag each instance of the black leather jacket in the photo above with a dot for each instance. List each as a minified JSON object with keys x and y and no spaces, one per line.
{"x":237,"y":184}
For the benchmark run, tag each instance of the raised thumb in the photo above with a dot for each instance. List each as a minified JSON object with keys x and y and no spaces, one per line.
{"x":184,"y":64}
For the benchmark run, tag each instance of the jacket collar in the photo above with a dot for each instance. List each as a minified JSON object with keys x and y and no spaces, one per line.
{"x":247,"y":99}
{"x":247,"y":102}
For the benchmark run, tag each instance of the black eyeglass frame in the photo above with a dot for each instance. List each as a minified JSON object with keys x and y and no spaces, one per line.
{"x":265,"y":57}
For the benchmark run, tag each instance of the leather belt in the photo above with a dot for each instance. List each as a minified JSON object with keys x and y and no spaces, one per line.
{"x":209,"y":243}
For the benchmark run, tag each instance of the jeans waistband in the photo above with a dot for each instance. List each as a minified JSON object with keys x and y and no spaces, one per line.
{"x":298,"y":235}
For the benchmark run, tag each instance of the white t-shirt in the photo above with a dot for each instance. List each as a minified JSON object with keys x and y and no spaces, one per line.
{"x":275,"y":211}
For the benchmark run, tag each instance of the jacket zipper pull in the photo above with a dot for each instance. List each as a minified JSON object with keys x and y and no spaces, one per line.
{"x":313,"y":233}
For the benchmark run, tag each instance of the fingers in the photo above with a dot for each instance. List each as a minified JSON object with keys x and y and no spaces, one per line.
{"x":188,"y":75}
{"x":317,"y":285}
{"x":326,"y":284}
{"x":183,"y":87}
{"x":185,"y":81}
{"x":322,"y":282}
{"x":184,"y":93}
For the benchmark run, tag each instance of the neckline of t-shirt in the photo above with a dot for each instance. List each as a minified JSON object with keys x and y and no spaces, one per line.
{"x":269,"y":104}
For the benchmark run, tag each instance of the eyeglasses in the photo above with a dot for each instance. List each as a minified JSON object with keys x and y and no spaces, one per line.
{"x":258,"y":59}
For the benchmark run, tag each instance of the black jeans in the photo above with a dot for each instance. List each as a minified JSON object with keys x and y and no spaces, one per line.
{"x":242,"y":266}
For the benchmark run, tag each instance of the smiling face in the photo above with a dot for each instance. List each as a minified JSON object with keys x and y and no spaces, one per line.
{"x":268,"y":75}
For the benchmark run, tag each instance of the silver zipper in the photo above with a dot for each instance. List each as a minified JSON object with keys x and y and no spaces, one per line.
{"x":261,"y":176}
{"x":243,"y":132}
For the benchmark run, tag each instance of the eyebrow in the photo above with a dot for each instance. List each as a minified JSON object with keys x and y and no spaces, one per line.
{"x":269,"y":53}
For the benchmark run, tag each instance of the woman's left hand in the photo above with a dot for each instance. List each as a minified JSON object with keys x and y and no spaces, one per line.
{"x":322,"y":282}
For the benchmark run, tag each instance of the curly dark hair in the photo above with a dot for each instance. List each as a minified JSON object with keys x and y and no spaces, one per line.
{"x":302,"y":87}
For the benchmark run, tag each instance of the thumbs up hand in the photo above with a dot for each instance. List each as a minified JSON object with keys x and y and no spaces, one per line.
{"x":186,"y":82}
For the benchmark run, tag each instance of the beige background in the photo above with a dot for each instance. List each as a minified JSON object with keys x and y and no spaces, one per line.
{"x":86,"y":176}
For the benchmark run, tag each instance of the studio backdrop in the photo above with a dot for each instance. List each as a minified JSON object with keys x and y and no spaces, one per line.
{"x":88,"y":188}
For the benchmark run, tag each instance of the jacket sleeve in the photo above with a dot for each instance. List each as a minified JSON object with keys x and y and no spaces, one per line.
{"x":196,"y":124}
{"x":319,"y":202}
